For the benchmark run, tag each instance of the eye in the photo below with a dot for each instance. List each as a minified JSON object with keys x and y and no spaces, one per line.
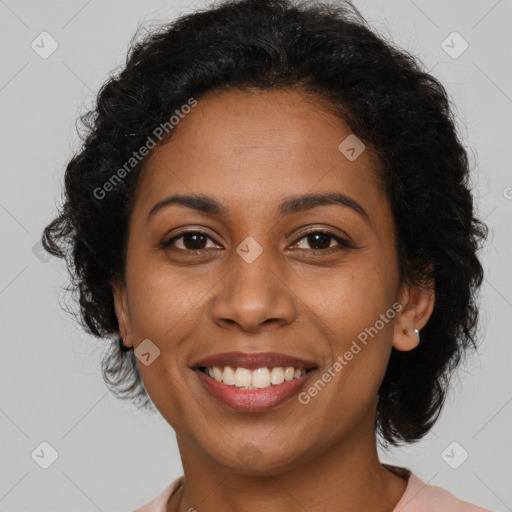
{"x":192,"y":241}
{"x":322,"y":240}
{"x":195,"y":242}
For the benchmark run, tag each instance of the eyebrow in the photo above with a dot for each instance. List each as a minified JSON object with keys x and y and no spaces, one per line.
{"x":288,"y":206}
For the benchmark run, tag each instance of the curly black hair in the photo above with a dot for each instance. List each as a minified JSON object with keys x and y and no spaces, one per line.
{"x":389,"y":101}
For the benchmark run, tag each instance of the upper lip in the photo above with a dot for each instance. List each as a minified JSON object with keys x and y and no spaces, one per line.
{"x":251,"y":361}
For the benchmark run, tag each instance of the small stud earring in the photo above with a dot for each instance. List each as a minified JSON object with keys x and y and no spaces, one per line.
{"x":416,"y":333}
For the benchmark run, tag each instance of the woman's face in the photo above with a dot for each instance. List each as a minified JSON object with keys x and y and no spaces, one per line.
{"x":248,"y":278}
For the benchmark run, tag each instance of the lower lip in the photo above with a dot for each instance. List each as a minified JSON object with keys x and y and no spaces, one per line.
{"x":253,"y":400}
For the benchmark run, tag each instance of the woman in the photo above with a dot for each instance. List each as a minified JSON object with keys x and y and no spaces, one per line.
{"x":271,"y":215}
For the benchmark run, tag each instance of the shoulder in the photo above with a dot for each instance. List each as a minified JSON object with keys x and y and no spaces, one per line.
{"x":420,"y":497}
{"x":159,"y":504}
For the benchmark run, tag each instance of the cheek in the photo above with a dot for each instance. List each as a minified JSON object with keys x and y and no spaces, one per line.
{"x":357,"y":355}
{"x":162,"y":308}
{"x":348,"y":301}
{"x":357,"y":315}
{"x":168,"y":392}
{"x":160,"y":299}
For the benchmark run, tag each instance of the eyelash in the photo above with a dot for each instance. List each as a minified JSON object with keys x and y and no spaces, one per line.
{"x":343,"y":244}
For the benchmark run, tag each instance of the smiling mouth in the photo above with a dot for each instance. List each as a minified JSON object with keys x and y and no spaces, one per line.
{"x":251,"y":379}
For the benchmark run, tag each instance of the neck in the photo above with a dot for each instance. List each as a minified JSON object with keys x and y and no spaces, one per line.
{"x":347,"y":475}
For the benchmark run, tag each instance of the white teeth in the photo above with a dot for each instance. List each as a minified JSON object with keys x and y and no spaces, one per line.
{"x":228,"y":376}
{"x":261,"y":378}
{"x":217,"y":374}
{"x":254,"y":379}
{"x":242,"y":377}
{"x":277,"y":376}
{"x":289,"y":373}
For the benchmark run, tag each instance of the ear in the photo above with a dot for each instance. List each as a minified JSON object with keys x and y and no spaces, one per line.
{"x":417,"y":306}
{"x":122,"y":312}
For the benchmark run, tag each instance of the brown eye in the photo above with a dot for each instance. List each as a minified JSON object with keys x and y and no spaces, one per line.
{"x":318,"y":241}
{"x":190,"y":241}
{"x":322,"y":240}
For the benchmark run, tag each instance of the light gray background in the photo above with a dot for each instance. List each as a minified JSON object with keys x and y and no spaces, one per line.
{"x":111,"y":458}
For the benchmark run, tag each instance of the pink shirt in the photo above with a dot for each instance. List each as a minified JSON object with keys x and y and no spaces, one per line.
{"x":418,"y":497}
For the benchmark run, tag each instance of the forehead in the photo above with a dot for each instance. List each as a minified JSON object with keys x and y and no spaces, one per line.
{"x":247,"y":146}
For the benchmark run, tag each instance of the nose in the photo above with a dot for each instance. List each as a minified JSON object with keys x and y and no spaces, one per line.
{"x":254,"y":296}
